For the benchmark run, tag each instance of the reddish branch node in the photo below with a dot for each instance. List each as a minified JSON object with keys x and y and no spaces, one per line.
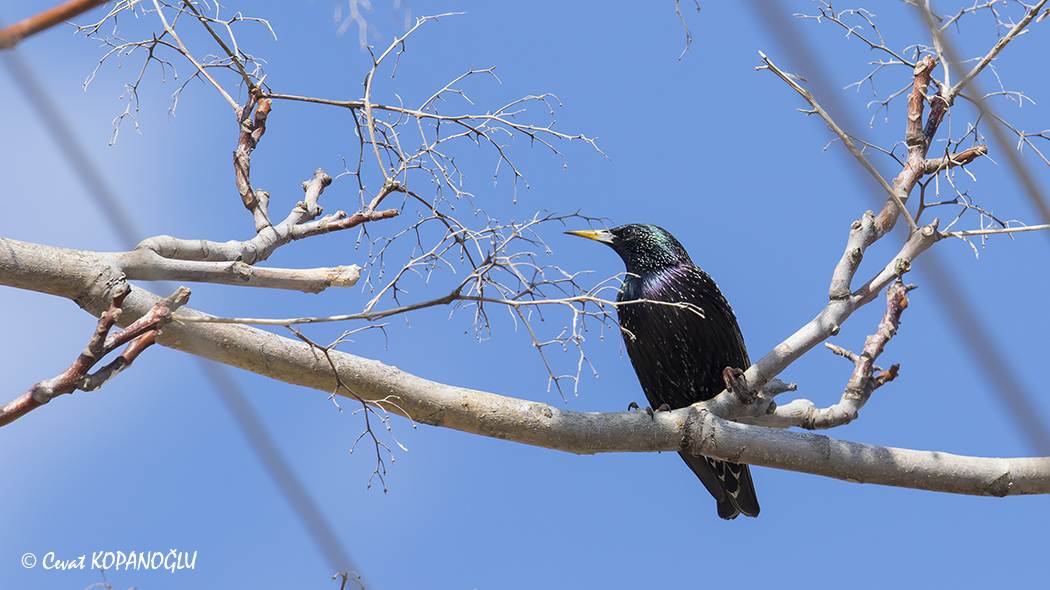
{"x":257,"y":202}
{"x":139,"y":336}
{"x":864,"y":380}
{"x":896,"y":303}
{"x":935,"y":165}
{"x":914,"y":133}
{"x":918,"y":138}
{"x":251,"y":132}
{"x":887,"y":376}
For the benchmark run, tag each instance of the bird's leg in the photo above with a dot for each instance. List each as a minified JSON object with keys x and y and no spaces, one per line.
{"x":737,"y":385}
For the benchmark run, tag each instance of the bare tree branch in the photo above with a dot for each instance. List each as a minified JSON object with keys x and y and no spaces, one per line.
{"x":846,"y":139}
{"x":1018,"y":29}
{"x":55,"y":270}
{"x":138,"y":335}
{"x":863,"y":381}
{"x":12,"y":35}
{"x":301,"y":223}
{"x":146,"y":265}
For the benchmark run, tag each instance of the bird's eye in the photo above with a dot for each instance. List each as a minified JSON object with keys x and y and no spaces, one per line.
{"x":628,"y":232}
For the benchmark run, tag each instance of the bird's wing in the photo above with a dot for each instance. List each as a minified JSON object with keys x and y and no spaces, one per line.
{"x":679,"y":353}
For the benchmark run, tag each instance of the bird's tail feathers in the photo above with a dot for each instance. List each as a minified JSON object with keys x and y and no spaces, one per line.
{"x":740,"y":496}
{"x":729,"y":483}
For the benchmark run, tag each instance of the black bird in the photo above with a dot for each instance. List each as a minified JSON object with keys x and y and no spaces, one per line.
{"x":679,"y":352}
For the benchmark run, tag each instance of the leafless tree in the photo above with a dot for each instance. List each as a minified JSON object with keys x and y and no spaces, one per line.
{"x":417,"y":217}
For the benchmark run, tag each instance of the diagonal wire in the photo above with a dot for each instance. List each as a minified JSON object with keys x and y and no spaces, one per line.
{"x":66,"y":142}
{"x":972,"y":330}
{"x":124,"y":226}
{"x":276,"y":464}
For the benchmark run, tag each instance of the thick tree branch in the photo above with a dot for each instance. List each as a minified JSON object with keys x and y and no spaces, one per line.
{"x":84,"y":278}
{"x":827,"y":322}
{"x":542,"y":425}
{"x":147,"y":265}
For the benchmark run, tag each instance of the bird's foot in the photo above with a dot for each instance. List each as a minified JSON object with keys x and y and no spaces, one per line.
{"x":737,"y":385}
{"x":632,"y":406}
{"x":662,"y":408}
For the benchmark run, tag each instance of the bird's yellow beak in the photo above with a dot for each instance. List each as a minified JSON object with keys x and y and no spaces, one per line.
{"x":599,"y":235}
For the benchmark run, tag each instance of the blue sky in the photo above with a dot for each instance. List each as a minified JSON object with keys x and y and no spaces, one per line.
{"x":705,"y":146}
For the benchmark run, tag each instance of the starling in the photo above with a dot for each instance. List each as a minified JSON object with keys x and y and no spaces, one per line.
{"x":679,"y":352}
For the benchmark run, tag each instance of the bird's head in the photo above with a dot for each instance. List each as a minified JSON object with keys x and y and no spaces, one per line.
{"x":643,"y":247}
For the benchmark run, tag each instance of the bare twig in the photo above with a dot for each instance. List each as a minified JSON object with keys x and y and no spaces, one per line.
{"x":1018,"y":29}
{"x":157,"y":45}
{"x":688,"y":33}
{"x":846,"y":139}
{"x":170,"y":30}
{"x":366,"y":408}
{"x":989,"y":232}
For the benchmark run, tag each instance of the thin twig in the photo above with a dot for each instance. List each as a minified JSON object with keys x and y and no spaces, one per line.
{"x":846,"y":139}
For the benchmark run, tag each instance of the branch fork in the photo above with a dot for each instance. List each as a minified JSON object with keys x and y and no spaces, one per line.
{"x":138,"y":336}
